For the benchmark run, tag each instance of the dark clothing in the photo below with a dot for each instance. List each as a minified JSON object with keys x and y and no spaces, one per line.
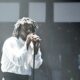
{"x":12,"y":76}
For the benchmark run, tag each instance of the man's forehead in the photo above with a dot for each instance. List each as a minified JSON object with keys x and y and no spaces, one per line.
{"x":26,"y":26}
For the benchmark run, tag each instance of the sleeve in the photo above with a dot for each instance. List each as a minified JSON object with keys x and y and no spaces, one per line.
{"x":38,"y":59}
{"x":15,"y":54}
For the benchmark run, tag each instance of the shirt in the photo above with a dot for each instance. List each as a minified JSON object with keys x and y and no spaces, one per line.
{"x":17,"y":59}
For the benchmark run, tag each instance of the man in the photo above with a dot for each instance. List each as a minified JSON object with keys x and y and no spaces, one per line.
{"x":18,"y":51}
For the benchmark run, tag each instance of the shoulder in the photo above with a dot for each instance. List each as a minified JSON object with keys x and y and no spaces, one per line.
{"x":10,"y":40}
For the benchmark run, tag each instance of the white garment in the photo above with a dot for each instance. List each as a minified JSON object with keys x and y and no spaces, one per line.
{"x":17,"y":59}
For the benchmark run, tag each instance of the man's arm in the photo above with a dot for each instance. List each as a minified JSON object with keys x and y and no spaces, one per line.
{"x":15,"y":54}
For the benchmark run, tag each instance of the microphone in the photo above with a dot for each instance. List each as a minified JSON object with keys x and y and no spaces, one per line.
{"x":36,"y":42}
{"x":35,"y":39}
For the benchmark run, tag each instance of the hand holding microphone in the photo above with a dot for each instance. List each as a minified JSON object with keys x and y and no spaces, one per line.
{"x":36,"y":41}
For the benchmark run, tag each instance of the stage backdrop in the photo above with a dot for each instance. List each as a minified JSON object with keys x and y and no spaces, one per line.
{"x":59,"y":28}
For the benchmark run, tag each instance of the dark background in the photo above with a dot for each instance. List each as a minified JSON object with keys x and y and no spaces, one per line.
{"x":60,"y":43}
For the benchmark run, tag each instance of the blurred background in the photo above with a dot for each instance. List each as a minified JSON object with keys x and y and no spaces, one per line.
{"x":59,"y":28}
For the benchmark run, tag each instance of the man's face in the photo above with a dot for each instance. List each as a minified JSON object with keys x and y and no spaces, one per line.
{"x":25,"y":30}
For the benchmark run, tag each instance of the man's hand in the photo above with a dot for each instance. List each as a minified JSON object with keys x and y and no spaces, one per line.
{"x":36,"y":41}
